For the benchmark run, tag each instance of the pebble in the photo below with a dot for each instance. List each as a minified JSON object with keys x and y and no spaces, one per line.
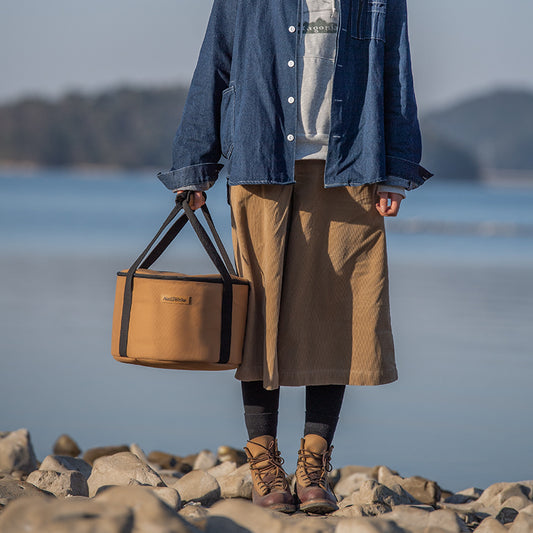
{"x":66,"y":445}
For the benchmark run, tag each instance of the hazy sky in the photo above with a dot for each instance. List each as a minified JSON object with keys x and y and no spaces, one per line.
{"x":459,"y":47}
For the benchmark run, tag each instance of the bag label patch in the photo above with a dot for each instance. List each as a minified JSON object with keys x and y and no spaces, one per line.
{"x":176,"y":300}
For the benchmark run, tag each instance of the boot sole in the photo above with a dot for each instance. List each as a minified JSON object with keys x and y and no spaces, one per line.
{"x":318,"y":507}
{"x":282,"y":508}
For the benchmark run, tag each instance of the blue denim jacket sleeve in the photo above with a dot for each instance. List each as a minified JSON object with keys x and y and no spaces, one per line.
{"x":403,"y":144}
{"x":196,"y":145}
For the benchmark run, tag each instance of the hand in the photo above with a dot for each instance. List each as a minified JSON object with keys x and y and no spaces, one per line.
{"x":384,"y":208}
{"x":197,"y":199}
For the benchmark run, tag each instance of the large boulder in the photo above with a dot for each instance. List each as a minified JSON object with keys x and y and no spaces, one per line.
{"x":71,"y":483}
{"x":198,"y":486}
{"x":115,"y":510}
{"x":66,"y":445}
{"x":424,"y":490}
{"x":230,"y":516}
{"x":65,"y":463}
{"x":16,"y":452}
{"x":237,"y":484}
{"x":65,"y":516}
{"x":372,"y":492}
{"x":150,"y":513}
{"x":120,"y":469}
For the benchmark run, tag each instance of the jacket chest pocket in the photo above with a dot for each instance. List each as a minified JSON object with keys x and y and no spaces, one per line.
{"x":227,"y":121}
{"x":368,"y":19}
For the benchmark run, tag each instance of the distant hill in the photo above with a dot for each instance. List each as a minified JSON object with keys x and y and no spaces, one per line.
{"x":133,"y":128}
{"x":495,"y":129}
{"x":125,"y":127}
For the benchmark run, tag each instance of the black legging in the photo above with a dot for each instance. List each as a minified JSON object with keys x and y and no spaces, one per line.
{"x":322,"y":407}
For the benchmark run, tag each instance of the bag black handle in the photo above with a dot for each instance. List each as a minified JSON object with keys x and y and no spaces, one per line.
{"x":224,"y":266}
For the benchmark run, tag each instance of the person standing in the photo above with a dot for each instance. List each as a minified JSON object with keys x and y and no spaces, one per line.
{"x":311,"y":105}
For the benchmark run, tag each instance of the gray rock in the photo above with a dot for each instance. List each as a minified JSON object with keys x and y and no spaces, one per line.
{"x":496,"y":495}
{"x":150,"y":513}
{"x":205,"y":460}
{"x":350,"y":483}
{"x":422,"y":489}
{"x":198,"y":486}
{"x":61,"y":484}
{"x":92,"y":454}
{"x":65,"y":516}
{"x":64,"y":463}
{"x":506,"y":515}
{"x":119,"y":469}
{"x":169,"y":476}
{"x":523,"y":523}
{"x":528,"y":509}
{"x":135,"y":449}
{"x":223,"y":469}
{"x":368,"y":525}
{"x":236,"y":516}
{"x":16,"y":451}
{"x":237,"y":484}
{"x":419,"y":521}
{"x":66,"y":445}
{"x":350,"y":511}
{"x":167,"y":495}
{"x":490,"y":525}
{"x":366,"y":509}
{"x":195,"y":514}
{"x":372,"y":492}
{"x":302,"y":523}
{"x":464,"y":496}
{"x":12,"y":489}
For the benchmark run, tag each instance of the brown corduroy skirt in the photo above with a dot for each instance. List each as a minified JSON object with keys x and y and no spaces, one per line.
{"x":318,"y":310}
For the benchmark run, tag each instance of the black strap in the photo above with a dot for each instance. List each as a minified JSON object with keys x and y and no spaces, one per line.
{"x":224,"y":267}
{"x":163,"y":244}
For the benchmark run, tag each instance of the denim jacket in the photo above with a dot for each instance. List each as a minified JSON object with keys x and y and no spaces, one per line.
{"x":241,"y":101}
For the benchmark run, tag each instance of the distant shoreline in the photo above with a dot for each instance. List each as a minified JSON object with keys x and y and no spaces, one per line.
{"x":493,"y":177}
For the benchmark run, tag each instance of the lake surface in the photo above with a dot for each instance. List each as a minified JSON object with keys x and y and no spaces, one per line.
{"x":461,"y":274}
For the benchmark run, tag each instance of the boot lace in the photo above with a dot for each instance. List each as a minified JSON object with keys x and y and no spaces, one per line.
{"x":315,"y":466}
{"x":270,"y":475}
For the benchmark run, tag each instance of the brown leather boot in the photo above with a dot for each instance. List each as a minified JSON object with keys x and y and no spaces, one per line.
{"x":312,"y":487}
{"x":270,"y":486}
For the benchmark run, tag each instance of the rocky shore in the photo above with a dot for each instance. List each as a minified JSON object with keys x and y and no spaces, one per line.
{"x":119,"y":489}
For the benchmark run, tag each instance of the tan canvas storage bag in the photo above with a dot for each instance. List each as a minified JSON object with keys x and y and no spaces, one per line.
{"x":173,"y":320}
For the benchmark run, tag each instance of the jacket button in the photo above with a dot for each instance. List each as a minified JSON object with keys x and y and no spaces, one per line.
{"x":292,"y":29}
{"x":290,"y":99}
{"x":291,"y":63}
{"x":290,"y":137}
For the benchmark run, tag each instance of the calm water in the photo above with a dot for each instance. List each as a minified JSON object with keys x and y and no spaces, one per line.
{"x":461,"y":262}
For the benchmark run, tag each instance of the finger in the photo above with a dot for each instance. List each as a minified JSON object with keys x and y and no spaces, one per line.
{"x":394,"y":208}
{"x":383,"y":201}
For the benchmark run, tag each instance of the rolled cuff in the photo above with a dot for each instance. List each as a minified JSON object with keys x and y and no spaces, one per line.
{"x":385,"y":187}
{"x":405,"y":173}
{"x":202,"y":174}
